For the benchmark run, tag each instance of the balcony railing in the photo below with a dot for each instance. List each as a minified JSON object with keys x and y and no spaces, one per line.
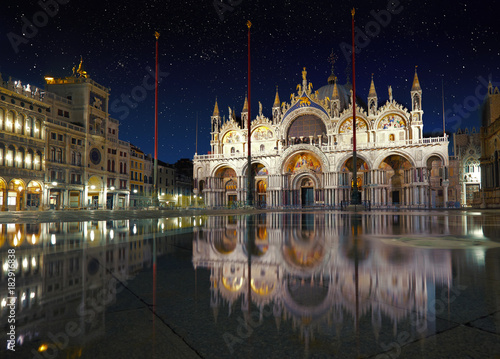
{"x":333,"y":148}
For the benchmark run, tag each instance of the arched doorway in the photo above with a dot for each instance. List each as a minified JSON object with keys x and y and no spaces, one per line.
{"x":226,"y":179}
{"x":16,"y":195}
{"x":303,"y":170}
{"x":307,"y":192}
{"x":396,"y":177}
{"x":435,"y":176}
{"x":94,"y":191}
{"x":261,"y":173}
{"x":34,"y":195}
{"x":362,"y":177}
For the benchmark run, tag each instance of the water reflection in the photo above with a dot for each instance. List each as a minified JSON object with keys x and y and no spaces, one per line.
{"x":69,"y":272}
{"x":333,"y":270}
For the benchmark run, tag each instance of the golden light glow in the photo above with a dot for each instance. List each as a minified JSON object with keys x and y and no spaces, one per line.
{"x":42,"y":348}
{"x":232,"y":284}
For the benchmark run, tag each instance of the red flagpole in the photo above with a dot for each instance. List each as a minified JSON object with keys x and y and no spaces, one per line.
{"x":249,"y":120}
{"x":355,"y":196}
{"x":155,"y":186}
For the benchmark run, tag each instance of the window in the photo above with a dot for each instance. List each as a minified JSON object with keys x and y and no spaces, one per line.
{"x":53,"y":136}
{"x":73,"y":141}
{"x":60,"y":112}
{"x":61,"y":138}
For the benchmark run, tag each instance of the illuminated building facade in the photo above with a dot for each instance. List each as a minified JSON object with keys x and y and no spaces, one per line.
{"x":23,"y":115}
{"x":302,"y":156}
{"x":467,"y":150}
{"x":490,"y":151}
{"x":59,"y":148}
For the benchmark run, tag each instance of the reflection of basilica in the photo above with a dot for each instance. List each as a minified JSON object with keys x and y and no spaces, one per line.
{"x":69,"y":272}
{"x":302,"y":156}
{"x":312,"y":270}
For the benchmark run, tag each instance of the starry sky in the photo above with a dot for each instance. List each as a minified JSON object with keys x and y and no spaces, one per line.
{"x":203,"y":56}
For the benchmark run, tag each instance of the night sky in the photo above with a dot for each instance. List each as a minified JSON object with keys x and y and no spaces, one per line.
{"x":203,"y":55}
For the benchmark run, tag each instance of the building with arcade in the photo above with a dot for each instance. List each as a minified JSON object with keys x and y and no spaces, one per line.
{"x":302,"y":156}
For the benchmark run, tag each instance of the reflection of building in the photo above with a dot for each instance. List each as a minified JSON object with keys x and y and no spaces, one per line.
{"x":312,"y":271}
{"x":68,"y":272}
{"x":490,"y":151}
{"x":467,"y":150}
{"x":302,"y":156}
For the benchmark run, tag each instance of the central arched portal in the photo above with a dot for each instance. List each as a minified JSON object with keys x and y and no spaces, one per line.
{"x":303,"y":170}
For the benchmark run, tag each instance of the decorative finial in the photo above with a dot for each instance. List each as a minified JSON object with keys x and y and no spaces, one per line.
{"x":352,"y":12}
{"x":304,"y":74}
{"x":249,"y":24}
{"x":157,"y":35}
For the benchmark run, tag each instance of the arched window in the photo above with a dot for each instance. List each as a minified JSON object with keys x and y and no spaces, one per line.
{"x":9,"y":123}
{"x":9,"y":157}
{"x":232,"y":150}
{"x":121,"y":167}
{"x":59,"y":155}
{"x":28,"y":160}
{"x":20,"y":158}
{"x":2,"y":118}
{"x":262,"y":148}
{"x":2,"y":154}
{"x":52,"y":154}
{"x":37,"y":162}
{"x":28,"y":127}
{"x":113,"y":166}
{"x":109,"y":165}
{"x":19,"y":124}
{"x":78,"y":159}
{"x":37,"y":129}
{"x":73,"y":158}
{"x":125,"y":168}
{"x":145,"y":179}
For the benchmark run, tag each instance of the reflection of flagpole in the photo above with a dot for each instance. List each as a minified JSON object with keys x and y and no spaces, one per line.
{"x":355,"y":195}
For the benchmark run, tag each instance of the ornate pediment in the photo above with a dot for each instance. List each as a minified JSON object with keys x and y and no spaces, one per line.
{"x":261,"y":120}
{"x":392,"y":106}
{"x":230,"y":125}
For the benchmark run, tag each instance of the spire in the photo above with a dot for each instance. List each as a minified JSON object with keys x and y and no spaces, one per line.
{"x":245,"y":105}
{"x":216,"y":109}
{"x":416,"y":83}
{"x":331,"y":59}
{"x":335,"y":94}
{"x":276,"y":99}
{"x":372,"y":92}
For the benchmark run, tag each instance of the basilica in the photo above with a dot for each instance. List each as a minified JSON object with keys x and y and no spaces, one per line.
{"x":302,"y":156}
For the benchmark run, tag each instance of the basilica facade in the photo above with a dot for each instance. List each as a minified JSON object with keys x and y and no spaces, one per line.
{"x":302,"y":156}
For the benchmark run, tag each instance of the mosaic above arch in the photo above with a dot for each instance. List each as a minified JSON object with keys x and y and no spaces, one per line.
{"x":395,"y":162}
{"x":303,"y":161}
{"x":225,"y":172}
{"x":360,"y":164}
{"x":391,"y":121}
{"x":231,"y":137}
{"x":262,"y":133}
{"x":260,"y":170}
{"x":346,"y":126}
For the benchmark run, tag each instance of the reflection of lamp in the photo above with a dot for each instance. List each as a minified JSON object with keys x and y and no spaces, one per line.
{"x":135,"y":190}
{"x":112,"y":188}
{"x":111,"y":234}
{"x":19,"y":188}
{"x":54,"y":183}
{"x":92,"y":187}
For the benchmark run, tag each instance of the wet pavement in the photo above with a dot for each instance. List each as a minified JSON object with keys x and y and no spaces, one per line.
{"x":302,"y":284}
